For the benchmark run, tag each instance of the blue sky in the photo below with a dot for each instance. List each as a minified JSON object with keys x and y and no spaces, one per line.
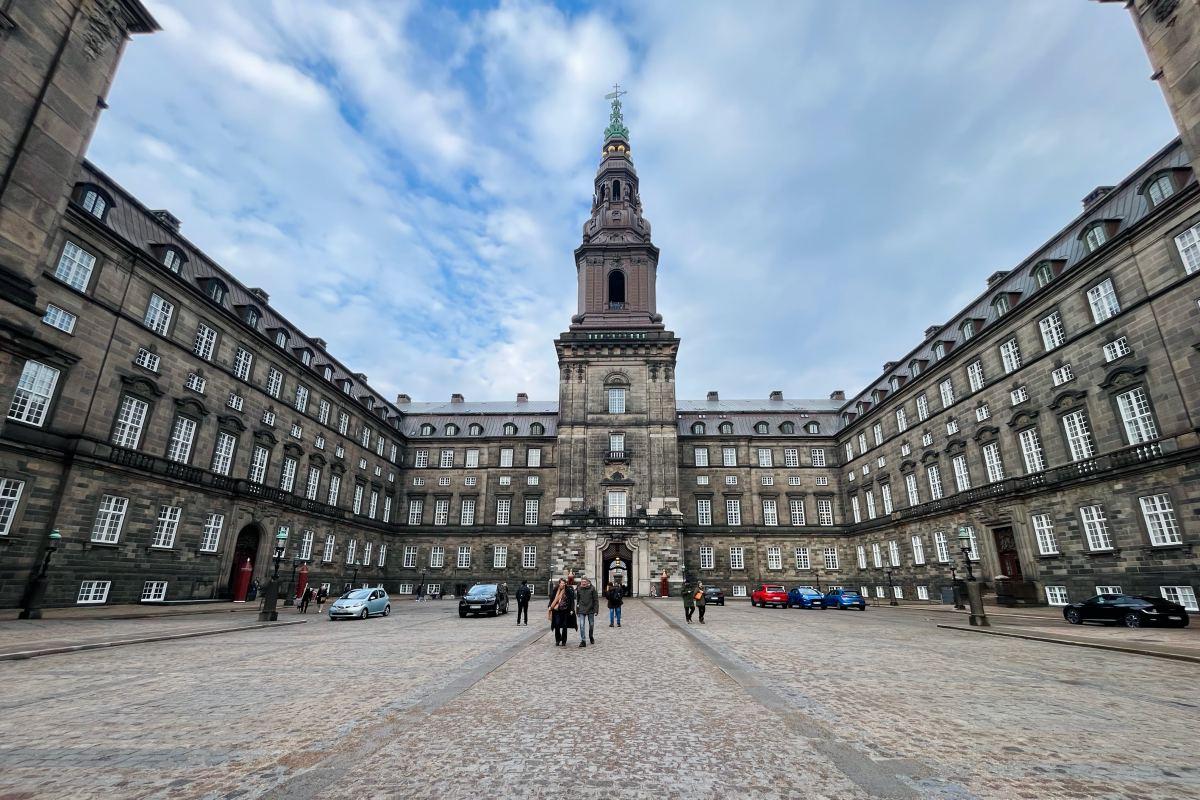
{"x":825,"y":180}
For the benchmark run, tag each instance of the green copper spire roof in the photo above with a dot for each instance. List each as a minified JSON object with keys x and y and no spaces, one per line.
{"x":616,"y":122}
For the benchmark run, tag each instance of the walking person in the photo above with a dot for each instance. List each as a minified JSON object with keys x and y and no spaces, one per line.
{"x":306,"y":598}
{"x":322,"y":596}
{"x":689,"y":602}
{"x":616,"y":597}
{"x":523,"y":595}
{"x":701,"y":601}
{"x":561,"y":611}
{"x":587,"y":603}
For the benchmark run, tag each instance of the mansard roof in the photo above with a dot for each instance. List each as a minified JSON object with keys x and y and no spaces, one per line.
{"x":774,"y":406}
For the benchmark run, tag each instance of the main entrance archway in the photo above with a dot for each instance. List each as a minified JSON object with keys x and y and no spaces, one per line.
{"x":244,"y":547}
{"x":617,"y":563}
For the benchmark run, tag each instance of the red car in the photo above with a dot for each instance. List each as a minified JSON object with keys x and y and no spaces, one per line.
{"x":769,"y":594}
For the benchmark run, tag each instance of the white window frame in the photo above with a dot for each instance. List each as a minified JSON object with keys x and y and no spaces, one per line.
{"x":1043,"y":533}
{"x":1051,"y":328}
{"x":1159,"y":515}
{"x":706,"y":557}
{"x":1079,"y":435}
{"x":1095,"y":528}
{"x":1102,"y":299}
{"x":1136,"y":416}
{"x":110,"y":519}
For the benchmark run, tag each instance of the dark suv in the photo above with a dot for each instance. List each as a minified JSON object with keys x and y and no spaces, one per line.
{"x":484,"y":598}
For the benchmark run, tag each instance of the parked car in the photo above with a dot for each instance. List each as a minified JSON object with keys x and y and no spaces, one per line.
{"x":769,"y":594}
{"x":360,"y":603}
{"x":484,"y":598}
{"x":1128,"y":610}
{"x":714,"y":595}
{"x":806,"y":597}
{"x":845,"y":598}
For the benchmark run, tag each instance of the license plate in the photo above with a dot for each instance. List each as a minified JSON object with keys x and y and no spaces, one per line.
{"x":1175,"y":619}
{"x":476,"y":608}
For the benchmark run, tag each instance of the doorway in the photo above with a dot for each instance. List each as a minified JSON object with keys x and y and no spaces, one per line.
{"x":245,"y":546}
{"x":1006,"y":553}
{"x":617,"y":565}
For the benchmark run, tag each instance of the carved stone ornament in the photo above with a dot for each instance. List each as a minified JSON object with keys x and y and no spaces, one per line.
{"x":104,"y":26}
{"x":190,"y":405}
{"x":1123,"y":376}
{"x":1068,"y":399}
{"x":1163,"y":9}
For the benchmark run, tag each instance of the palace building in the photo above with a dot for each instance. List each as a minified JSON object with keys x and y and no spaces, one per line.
{"x":169,"y":423}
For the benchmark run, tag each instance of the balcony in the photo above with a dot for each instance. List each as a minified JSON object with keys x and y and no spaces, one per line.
{"x":616,"y":306}
{"x":613,"y":456}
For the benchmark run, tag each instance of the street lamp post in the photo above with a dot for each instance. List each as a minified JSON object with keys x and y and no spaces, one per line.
{"x":290,"y":600}
{"x":271,"y":593}
{"x":354,"y":574}
{"x":958,"y":603}
{"x":37,"y":589}
{"x":974,"y":590}
{"x":891,"y":590}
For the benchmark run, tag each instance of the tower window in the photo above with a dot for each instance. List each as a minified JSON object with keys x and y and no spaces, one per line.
{"x":616,"y":195}
{"x":616,"y":289}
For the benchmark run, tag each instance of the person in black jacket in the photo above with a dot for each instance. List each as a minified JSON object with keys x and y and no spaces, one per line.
{"x":523,"y":595}
{"x":561,"y":611}
{"x":615,"y":597}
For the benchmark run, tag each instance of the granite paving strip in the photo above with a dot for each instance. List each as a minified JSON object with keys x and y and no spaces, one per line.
{"x":62,"y":647}
{"x":1051,"y":636}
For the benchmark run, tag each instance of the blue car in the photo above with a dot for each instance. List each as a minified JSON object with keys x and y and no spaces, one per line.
{"x":845,"y":598}
{"x":360,"y":604}
{"x":806,"y":597}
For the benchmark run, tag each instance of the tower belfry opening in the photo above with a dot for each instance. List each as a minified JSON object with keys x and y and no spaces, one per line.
{"x":616,"y":290}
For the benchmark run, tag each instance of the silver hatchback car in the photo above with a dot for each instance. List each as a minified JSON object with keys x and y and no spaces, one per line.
{"x":361,"y":603}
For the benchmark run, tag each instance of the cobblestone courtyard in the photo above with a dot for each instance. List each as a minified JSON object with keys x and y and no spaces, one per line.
{"x":758,"y":703}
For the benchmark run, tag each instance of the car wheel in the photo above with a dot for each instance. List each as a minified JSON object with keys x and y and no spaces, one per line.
{"x":1074,"y":617}
{"x":1133,"y":620}
{"x":387,"y":609}
{"x":721,"y":603}
{"x":1182,"y":624}
{"x":364,"y":614}
{"x":492,"y":613}
{"x":461,"y":614}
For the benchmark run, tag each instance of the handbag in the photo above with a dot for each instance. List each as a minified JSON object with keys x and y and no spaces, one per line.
{"x":698,"y":595}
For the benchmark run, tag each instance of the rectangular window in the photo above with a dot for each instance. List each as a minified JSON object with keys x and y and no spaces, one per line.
{"x":862,"y":557}
{"x":764,"y":457}
{"x":210,"y":539}
{"x":306,"y":545}
{"x":1052,"y":331}
{"x":918,"y":550}
{"x":885,"y":490}
{"x":774,"y":558}
{"x":1103,"y":301}
{"x":962,"y":474}
{"x":533,"y":457}
{"x":802,"y":559}
{"x":503,"y":511}
{"x":935,"y":481}
{"x":196,"y":383}
{"x":472,"y":459}
{"x":287,"y":476}
{"x":464,"y":556}
{"x":467,"y":516}
{"x":796,"y":507}
{"x":1160,"y":519}
{"x":410,"y":556}
{"x":441,"y":511}
{"x":313,"y":485}
{"x":75,"y":266}
{"x":870,"y":498}
{"x":506,"y":456}
{"x":56,"y":317}
{"x":301,"y":401}
{"x":446,"y":460}
{"x":942,"y":548}
{"x":1056,"y":595}
{"x":991,"y":460}
{"x":831,"y":558}
{"x":703,"y":511}
{"x":616,"y":401}
{"x":10,"y":498}
{"x":1116,"y":349}
{"x":1188,"y":243}
{"x":1043,"y":531}
{"x":167,"y":526}
{"x":529,"y":556}
{"x":34,"y":391}
{"x":158,"y":314}
{"x":975,"y":375}
{"x":901,"y":420}
{"x":737,"y":558}
{"x":910,"y":484}
{"x":183,"y":433}
{"x":147,"y":359}
{"x":109,"y":519}
{"x":1018,"y":396}
{"x":922,"y":592}
{"x":274,"y":382}
{"x":335,"y":488}
{"x":922,"y":407}
{"x":817,"y":456}
{"x":500,"y":557}
{"x":854,"y":512}
{"x":387,"y":508}
{"x":739,"y":590}
{"x":791,"y":457}
{"x":616,"y":443}
{"x":1183,"y":595}
{"x":130,"y":418}
{"x":323,"y":412}
{"x":706,"y":558}
{"x":93,"y":592}
{"x":894,"y":553}
{"x":770,"y":513}
{"x":729,"y":456}
{"x":243,"y":361}
{"x":364,"y":436}
{"x":421,"y":459}
{"x":701,"y":456}
{"x":877,"y":433}
{"x":351,"y":550}
{"x":236,"y":401}
{"x":793,"y":480}
{"x":733,"y":511}
{"x":822,"y":480}
{"x":1135,"y":414}
{"x":862,"y":443}
{"x":205,"y":342}
{"x":1010,"y":356}
{"x":344,"y":423}
{"x":767,"y":480}
{"x":531,"y":511}
{"x":327,"y":553}
{"x":946,"y":388}
{"x":825,"y":511}
{"x":1079,"y":437}
{"x":154,"y":591}
{"x":437,"y":556}
{"x":1062,"y":375}
{"x":1095,"y":527}
{"x":982,"y":412}
{"x":416,"y":509}
{"x":1031,"y":451}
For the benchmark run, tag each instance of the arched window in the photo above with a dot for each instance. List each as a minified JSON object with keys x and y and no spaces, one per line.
{"x":427,"y":429}
{"x":451,"y":429}
{"x":281,"y":338}
{"x":1043,"y":274}
{"x":328,"y":372}
{"x":475,"y":429}
{"x":1000,"y":304}
{"x":306,"y":357}
{"x":616,"y":289}
{"x":616,"y":195}
{"x":787,"y":427}
{"x":510,"y":429}
{"x":172,"y":259}
{"x":537,"y":429}
{"x":1095,"y":236}
{"x":94,"y":201}
{"x":939,"y":351}
{"x":761,"y":427}
{"x":216,"y":290}
{"x":251,"y":315}
{"x":813,"y":427}
{"x":1159,"y":188}
{"x":699,"y":428}
{"x":894,"y":384}
{"x":725,"y":427}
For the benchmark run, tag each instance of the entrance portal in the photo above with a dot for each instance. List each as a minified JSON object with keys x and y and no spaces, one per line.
{"x":617,"y":566}
{"x":1006,"y":553}
{"x":244,"y":547}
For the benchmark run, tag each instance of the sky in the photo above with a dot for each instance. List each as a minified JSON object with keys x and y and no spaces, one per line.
{"x":825,"y":181}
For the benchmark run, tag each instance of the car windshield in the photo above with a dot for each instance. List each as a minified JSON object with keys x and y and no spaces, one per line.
{"x":849,"y":594}
{"x":482,"y":589}
{"x":357,"y":594}
{"x":773,"y":589}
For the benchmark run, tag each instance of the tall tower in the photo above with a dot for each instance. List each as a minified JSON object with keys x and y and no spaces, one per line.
{"x":616,"y":430}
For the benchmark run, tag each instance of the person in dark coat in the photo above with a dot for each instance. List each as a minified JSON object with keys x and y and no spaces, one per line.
{"x":322,"y":596}
{"x":523,"y":595}
{"x":587,"y":603}
{"x":561,"y":611}
{"x":701,"y":601}
{"x":616,"y":598}
{"x":689,"y":602}
{"x":306,"y":598}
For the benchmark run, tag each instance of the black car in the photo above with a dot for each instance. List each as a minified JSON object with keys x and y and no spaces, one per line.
{"x":484,"y":598}
{"x":1125,"y":609}
{"x":714,"y":595}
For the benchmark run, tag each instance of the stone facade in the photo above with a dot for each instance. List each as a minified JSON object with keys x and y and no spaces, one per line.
{"x":169,"y":423}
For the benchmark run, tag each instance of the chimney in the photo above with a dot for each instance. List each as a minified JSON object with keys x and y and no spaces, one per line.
{"x":167,"y":218}
{"x":776,"y":395}
{"x":837,"y":394}
{"x":931,"y":330}
{"x":319,"y":342}
{"x":361,"y":377}
{"x":1096,"y":195}
{"x":403,"y":399}
{"x":522,"y":397}
{"x":996,"y":277}
{"x":456,"y":398}
{"x":713,"y":397}
{"x":260,"y":294}
{"x":888,"y":366}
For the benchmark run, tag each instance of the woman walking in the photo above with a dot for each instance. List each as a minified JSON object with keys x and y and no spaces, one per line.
{"x":322,"y":596}
{"x":562,"y":612}
{"x":615,"y":597}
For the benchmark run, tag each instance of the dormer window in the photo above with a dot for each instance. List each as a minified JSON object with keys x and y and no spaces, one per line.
{"x":327,"y":372}
{"x":510,"y":429}
{"x":251,"y":315}
{"x":346,"y":385}
{"x":915,"y":366}
{"x":1001,"y":305}
{"x":761,"y":427}
{"x":787,"y":427}
{"x":725,"y":427}
{"x":1159,"y":187}
{"x":813,"y":427}
{"x":1095,"y":236}
{"x":968,"y":329}
{"x":939,"y":351}
{"x":537,"y":429}
{"x":894,"y":384}
{"x":306,"y":357}
{"x":94,"y":200}
{"x":215,"y":289}
{"x":281,"y":338}
{"x":699,"y":428}
{"x":1043,"y":274}
{"x":451,"y":429}
{"x":427,"y":429}
{"x":172,"y":259}
{"x":475,"y":429}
